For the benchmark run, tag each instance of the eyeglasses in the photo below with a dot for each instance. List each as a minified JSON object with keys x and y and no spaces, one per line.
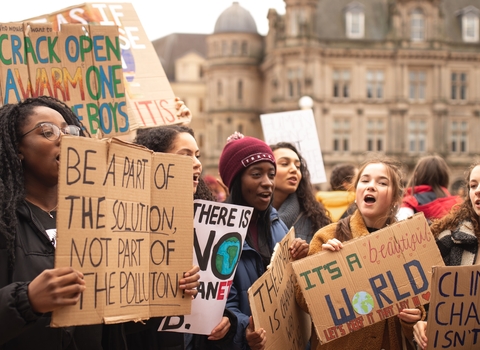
{"x":53,"y":132}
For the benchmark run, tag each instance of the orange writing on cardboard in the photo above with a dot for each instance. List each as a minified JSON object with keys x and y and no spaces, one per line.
{"x":150,"y":99}
{"x":79,"y":65}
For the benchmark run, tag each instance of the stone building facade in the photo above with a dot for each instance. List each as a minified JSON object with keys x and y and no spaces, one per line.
{"x":392,"y":77}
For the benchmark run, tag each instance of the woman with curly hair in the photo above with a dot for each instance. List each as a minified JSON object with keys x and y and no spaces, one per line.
{"x":293,"y":196}
{"x":458,"y":235}
{"x":30,"y":287}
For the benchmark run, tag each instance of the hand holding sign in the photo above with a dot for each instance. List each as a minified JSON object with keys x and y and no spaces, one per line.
{"x":55,"y":288}
{"x":190,"y":282}
{"x":420,"y":334}
{"x":256,"y":339}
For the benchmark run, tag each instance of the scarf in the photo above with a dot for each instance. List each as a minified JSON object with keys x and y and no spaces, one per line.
{"x":460,"y":246}
{"x":289,"y":212}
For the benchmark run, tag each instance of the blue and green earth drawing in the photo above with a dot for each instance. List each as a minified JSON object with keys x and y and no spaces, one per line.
{"x":362,"y":303}
{"x":227,"y":256}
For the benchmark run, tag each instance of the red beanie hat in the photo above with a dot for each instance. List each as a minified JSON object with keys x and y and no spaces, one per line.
{"x":239,"y":153}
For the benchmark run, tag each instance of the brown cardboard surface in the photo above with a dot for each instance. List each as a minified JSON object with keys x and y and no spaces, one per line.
{"x":453,"y":316}
{"x":125,"y":220}
{"x":80,"y":65}
{"x":273,"y":305}
{"x":150,"y":99}
{"x":372,"y":278}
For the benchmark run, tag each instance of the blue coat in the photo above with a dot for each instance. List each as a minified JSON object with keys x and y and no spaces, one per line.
{"x":249,"y":269}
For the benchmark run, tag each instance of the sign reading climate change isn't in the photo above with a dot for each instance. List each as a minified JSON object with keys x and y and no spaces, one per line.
{"x":454,"y":316}
{"x":125,"y":220}
{"x":371,"y":279}
{"x":79,"y":64}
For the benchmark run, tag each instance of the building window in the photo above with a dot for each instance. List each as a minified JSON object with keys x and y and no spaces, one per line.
{"x":244,"y":48}
{"x":240,"y":90}
{"x":417,"y":26}
{"x":459,"y":136}
{"x":417,"y":136}
{"x":224,"y":48}
{"x":219,"y":88}
{"x":417,"y":85}
{"x":355,"y":20}
{"x":294,"y":82}
{"x":375,"y":82}
{"x":220,"y":140}
{"x":469,"y":16}
{"x":341,"y":135}
{"x":200,"y":105}
{"x":375,"y":135}
{"x":240,"y":128}
{"x":459,"y":86}
{"x":235,"y":48}
{"x":341,"y":83}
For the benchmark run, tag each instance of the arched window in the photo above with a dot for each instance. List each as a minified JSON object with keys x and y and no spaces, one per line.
{"x":355,"y":20}
{"x":469,"y":19}
{"x":417,"y":25}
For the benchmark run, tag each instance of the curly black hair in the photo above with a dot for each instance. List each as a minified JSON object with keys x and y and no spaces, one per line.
{"x":161,"y":139}
{"x":314,"y":210}
{"x":13,"y":117}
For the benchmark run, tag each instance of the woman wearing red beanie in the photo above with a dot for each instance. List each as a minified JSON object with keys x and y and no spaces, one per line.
{"x":247,"y":167}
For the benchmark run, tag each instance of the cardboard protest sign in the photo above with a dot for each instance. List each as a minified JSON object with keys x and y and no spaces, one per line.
{"x":453,"y":316}
{"x":371,"y":279}
{"x":273,"y":305}
{"x":80,"y":65}
{"x":298,"y":128}
{"x":220,"y":230}
{"x":150,"y":99}
{"x":125,"y":220}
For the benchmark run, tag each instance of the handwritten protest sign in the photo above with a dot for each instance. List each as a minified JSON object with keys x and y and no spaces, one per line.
{"x":125,"y":219}
{"x":453,"y":316}
{"x":150,"y":99}
{"x":371,"y":279}
{"x":298,"y":128}
{"x":273,"y":305}
{"x":220,"y":230}
{"x":80,"y":65}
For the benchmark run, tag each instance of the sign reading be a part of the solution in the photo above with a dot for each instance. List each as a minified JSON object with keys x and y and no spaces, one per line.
{"x":371,"y":279}
{"x":125,"y":220}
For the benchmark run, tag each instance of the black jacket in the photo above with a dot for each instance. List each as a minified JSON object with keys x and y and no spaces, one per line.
{"x":20,"y":326}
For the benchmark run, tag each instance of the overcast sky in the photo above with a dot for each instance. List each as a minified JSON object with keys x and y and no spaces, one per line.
{"x":159,"y":18}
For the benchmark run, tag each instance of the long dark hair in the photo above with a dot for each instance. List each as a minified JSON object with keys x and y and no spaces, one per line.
{"x":460,"y":212}
{"x":263,"y":220}
{"x":313,"y":209}
{"x":432,"y":171}
{"x":12,"y":187}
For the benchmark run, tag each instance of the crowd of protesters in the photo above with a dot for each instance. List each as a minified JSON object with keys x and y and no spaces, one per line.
{"x":274,"y":180}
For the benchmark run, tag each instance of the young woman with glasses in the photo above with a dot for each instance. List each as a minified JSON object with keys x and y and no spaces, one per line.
{"x":30,"y":287}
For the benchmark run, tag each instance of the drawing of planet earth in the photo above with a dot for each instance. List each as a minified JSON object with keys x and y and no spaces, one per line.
{"x":362,"y":303}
